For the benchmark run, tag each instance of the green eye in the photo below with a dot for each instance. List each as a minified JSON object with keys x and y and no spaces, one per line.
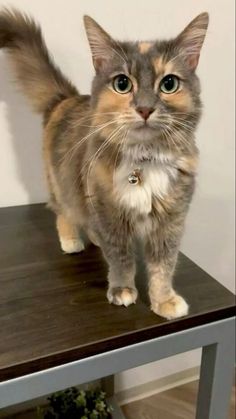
{"x":122,"y":84}
{"x":169,"y":84}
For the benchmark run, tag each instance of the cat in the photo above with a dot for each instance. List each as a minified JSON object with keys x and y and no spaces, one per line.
{"x":120,"y":164}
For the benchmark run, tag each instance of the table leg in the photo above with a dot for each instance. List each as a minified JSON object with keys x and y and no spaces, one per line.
{"x":116,"y":412}
{"x":216,"y":376}
{"x":108,"y":385}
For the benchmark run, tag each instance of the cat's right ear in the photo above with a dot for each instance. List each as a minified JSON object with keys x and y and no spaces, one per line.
{"x":101,"y":44}
{"x":190,"y":41}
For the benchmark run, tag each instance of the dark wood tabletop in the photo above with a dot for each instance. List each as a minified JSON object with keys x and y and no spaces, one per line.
{"x":53,"y":307}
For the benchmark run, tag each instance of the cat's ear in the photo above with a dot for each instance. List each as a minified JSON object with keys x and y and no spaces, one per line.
{"x":101,"y":44}
{"x":190,"y":41}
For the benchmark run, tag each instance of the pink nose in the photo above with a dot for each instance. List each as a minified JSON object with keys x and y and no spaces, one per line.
{"x":145,"y":112}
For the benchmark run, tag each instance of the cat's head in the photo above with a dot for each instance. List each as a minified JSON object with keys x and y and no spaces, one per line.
{"x":147,"y":91}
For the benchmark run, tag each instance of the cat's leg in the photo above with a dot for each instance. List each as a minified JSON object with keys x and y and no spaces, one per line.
{"x":121,"y":288}
{"x":69,"y":237}
{"x":161,"y":259}
{"x":164,"y":299}
{"x":119,"y":255}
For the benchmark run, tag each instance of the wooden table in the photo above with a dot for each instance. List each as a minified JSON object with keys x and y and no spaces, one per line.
{"x":58,"y":330}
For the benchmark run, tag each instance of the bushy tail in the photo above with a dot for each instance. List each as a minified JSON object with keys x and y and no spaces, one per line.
{"x":40,"y":79}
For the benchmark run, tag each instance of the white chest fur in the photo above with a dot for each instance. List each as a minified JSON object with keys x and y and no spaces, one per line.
{"x":155,"y":182}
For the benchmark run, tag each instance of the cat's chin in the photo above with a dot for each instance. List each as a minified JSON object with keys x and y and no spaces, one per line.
{"x":142,"y":133}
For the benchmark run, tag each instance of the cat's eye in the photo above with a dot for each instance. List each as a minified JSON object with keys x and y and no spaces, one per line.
{"x":169,"y":84}
{"x":122,"y":84}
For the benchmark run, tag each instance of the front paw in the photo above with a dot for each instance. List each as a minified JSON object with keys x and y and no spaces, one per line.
{"x":72,"y":245}
{"x":122,"y":296}
{"x":173,"y":308}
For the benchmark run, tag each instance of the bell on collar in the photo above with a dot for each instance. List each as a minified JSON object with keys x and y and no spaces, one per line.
{"x":134,"y":178}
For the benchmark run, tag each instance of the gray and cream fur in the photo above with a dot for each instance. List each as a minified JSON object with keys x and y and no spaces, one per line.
{"x":139,"y":121}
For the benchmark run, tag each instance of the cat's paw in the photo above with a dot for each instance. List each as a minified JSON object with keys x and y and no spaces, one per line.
{"x":72,"y":245}
{"x":173,"y":308}
{"x":122,"y":296}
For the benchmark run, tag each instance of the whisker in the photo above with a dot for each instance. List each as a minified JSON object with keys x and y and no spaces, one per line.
{"x":173,"y":135}
{"x":184,"y":54}
{"x":182,"y":126}
{"x":119,"y":55}
{"x":166,"y":135}
{"x":77,"y":145}
{"x":88,"y":161}
{"x":103,"y":146}
{"x":121,"y":48}
{"x":170,"y":118}
{"x":121,"y":145}
{"x":91,"y":117}
{"x":101,"y":149}
{"x":178,"y":124}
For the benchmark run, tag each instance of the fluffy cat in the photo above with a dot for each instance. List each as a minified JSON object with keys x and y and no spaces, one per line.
{"x":120,"y":163}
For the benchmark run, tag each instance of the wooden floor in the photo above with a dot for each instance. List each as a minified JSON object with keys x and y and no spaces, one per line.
{"x":177,"y":403}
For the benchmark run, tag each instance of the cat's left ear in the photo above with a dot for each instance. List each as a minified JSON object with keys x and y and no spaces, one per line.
{"x":190,"y":41}
{"x":101,"y":44}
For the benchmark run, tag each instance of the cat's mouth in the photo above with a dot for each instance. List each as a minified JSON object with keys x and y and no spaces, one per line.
{"x":144,"y":126}
{"x":142,"y":131}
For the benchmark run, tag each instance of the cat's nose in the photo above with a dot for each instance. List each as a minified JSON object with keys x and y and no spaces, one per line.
{"x":144,"y":111}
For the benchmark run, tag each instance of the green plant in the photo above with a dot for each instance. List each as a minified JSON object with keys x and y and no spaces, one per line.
{"x":75,"y":404}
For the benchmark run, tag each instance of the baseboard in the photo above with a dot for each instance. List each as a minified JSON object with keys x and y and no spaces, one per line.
{"x":157,"y":386}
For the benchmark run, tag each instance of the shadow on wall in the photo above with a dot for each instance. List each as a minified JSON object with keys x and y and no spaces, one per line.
{"x":26,"y":136}
{"x":206,"y":241}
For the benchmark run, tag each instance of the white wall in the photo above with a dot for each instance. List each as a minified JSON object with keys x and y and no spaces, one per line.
{"x":209,"y":237}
